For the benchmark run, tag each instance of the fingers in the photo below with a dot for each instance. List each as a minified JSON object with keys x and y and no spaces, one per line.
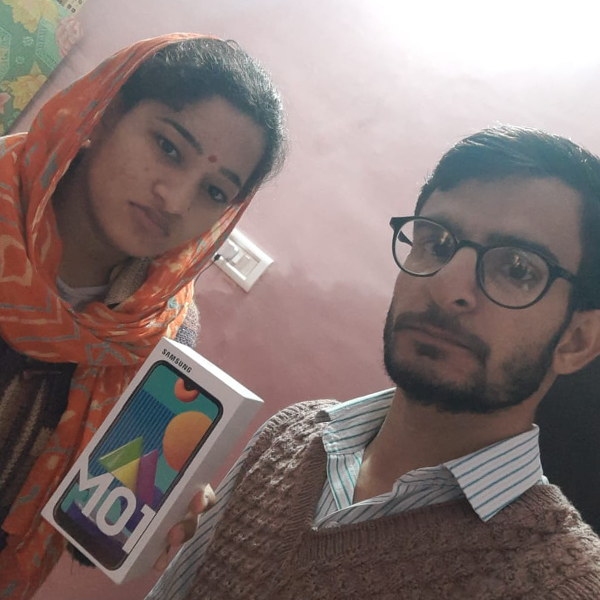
{"x":178,"y":534}
{"x":164,"y":559}
{"x":184,"y":530}
{"x":202,"y":501}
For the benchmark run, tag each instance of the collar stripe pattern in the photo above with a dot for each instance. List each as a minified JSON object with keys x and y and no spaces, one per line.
{"x":490,"y":479}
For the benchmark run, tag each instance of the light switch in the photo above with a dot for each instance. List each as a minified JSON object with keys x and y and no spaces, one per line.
{"x":242,"y":260}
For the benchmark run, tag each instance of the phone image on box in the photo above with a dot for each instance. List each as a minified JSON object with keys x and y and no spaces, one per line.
{"x":137,"y":463}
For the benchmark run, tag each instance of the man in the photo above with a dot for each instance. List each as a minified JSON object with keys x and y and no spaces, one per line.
{"x":435,"y":488}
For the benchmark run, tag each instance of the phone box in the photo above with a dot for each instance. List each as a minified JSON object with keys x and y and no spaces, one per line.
{"x":176,"y":422}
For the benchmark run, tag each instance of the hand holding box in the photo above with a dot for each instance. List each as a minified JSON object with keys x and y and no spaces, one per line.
{"x":175,"y":423}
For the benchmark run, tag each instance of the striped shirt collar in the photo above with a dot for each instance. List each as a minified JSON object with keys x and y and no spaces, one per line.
{"x":490,"y":478}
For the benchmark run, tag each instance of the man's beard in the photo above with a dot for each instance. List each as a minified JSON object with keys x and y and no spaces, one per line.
{"x":523,"y":372}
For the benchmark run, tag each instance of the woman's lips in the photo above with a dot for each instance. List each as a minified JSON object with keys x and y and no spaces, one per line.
{"x":150,"y":219}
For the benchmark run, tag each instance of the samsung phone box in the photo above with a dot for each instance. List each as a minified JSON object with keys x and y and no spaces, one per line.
{"x":173,"y":426}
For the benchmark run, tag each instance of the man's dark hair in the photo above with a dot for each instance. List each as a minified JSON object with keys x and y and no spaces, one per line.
{"x":517,"y":152}
{"x":199,"y":69}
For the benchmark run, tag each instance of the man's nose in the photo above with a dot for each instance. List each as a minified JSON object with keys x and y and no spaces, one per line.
{"x":454,"y":288}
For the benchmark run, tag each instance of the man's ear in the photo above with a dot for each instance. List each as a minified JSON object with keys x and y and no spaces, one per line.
{"x":579,"y":344}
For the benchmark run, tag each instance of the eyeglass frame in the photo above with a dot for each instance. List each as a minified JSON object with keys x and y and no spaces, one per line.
{"x":555,"y":271}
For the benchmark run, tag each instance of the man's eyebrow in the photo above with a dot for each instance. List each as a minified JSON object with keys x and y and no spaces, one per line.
{"x":526,"y":244}
{"x":448,"y":223}
{"x":232,"y":176}
{"x":184,"y":133}
{"x":497,"y":238}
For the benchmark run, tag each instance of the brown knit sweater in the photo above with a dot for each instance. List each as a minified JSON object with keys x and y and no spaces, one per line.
{"x":266,"y":547}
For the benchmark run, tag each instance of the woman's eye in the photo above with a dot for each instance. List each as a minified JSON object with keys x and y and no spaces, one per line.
{"x":217,"y":195}
{"x":168,"y":148}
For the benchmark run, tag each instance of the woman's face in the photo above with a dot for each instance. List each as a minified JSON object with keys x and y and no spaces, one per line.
{"x":157,"y":177}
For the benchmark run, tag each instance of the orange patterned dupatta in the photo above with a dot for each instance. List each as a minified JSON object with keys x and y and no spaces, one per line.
{"x":107,"y":344}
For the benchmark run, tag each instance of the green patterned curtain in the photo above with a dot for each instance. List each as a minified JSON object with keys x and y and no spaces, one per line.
{"x":72,"y":6}
{"x":35,"y":35}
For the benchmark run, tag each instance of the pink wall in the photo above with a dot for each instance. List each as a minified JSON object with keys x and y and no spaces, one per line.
{"x":376,"y":92}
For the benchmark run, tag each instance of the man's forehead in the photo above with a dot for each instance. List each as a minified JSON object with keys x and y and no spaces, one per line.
{"x":543,"y":211}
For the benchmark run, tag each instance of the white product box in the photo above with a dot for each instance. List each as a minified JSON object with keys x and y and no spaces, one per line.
{"x":176,"y":422}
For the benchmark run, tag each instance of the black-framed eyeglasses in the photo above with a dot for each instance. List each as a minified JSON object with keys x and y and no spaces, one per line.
{"x":510,"y":276}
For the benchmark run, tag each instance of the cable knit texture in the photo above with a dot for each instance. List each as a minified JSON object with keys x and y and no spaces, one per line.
{"x":265,"y":546}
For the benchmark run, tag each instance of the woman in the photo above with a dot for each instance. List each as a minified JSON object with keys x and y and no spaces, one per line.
{"x":110,"y":206}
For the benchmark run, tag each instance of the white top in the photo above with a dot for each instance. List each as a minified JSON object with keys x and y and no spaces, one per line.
{"x":80,"y":297}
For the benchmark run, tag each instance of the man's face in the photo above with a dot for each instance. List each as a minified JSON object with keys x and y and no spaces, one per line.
{"x":445,"y":343}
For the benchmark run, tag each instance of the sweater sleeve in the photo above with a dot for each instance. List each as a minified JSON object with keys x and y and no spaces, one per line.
{"x":177,"y":580}
{"x":190,"y":328}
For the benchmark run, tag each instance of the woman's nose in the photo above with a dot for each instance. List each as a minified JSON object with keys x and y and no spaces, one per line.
{"x":175,"y":197}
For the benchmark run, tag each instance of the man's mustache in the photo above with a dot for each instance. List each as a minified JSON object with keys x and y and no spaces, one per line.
{"x":434,"y":317}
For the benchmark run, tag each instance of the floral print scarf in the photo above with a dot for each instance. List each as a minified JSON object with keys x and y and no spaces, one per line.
{"x":108,"y":344}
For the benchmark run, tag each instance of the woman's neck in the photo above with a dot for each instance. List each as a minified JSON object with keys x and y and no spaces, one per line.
{"x":88,"y":258}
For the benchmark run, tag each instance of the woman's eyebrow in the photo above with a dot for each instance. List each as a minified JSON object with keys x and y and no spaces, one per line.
{"x":184,"y":133}
{"x":232,"y":176}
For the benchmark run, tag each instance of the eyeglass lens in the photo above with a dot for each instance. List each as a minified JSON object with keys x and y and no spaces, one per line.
{"x":510,"y":276}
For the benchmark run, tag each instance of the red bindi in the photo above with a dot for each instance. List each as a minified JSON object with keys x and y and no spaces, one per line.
{"x":212,"y":158}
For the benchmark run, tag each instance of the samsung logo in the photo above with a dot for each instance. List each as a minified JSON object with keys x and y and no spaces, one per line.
{"x":178,"y":362}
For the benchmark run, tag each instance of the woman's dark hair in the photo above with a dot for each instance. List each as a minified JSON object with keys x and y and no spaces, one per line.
{"x":199,"y":69}
{"x":506,"y":151}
